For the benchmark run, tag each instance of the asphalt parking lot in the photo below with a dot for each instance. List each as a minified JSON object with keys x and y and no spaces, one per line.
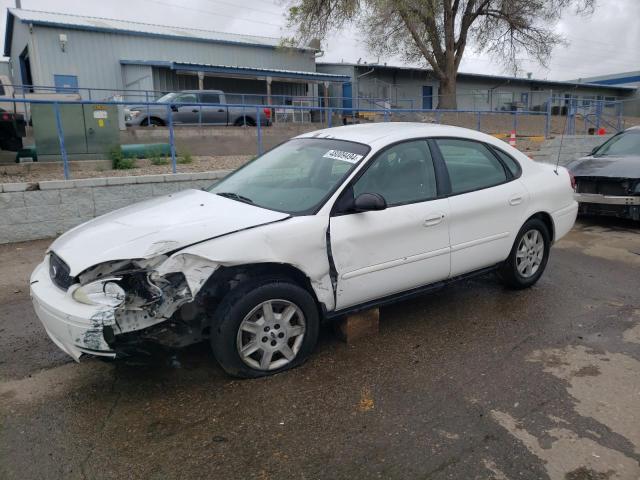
{"x":472,"y":382}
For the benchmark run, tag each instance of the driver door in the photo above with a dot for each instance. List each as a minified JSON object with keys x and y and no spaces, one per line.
{"x":379,"y":253}
{"x":186,"y":113}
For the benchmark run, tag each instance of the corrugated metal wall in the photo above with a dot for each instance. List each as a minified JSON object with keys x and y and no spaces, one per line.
{"x":94,"y":57}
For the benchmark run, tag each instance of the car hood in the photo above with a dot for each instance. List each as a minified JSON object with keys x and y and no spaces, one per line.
{"x":157,"y":226}
{"x":613,"y":167}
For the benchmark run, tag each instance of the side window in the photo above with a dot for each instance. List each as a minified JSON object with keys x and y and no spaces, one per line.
{"x":210,"y":98}
{"x":186,"y":98}
{"x":512,"y":165}
{"x":471,"y":165}
{"x":403,"y":173}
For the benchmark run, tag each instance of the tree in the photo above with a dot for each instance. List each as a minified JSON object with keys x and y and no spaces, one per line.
{"x":437,"y":32}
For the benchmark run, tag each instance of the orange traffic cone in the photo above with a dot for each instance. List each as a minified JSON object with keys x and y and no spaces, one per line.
{"x":512,"y":138}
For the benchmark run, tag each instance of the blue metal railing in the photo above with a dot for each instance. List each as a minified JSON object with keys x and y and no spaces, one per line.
{"x":327,"y":114}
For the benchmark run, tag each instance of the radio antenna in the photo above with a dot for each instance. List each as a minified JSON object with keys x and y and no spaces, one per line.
{"x":564,"y":128}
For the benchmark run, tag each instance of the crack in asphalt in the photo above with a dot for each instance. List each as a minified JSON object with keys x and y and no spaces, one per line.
{"x":103,"y":426}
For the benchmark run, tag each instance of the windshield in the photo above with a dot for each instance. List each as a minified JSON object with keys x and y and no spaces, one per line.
{"x":295,"y":177}
{"x":625,"y":143}
{"x":167,"y":97}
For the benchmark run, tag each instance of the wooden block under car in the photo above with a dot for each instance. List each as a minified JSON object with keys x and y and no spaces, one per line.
{"x":359,"y":325}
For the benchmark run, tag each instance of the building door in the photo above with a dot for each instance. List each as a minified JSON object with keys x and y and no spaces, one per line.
{"x":347,"y":100}
{"x":25,"y":69}
{"x":66,"y":83}
{"x":427,"y":97}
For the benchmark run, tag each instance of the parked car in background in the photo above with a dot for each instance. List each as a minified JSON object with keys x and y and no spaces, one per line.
{"x":185,"y":110}
{"x":331,"y":222}
{"x":12,"y":130}
{"x":608,"y":179}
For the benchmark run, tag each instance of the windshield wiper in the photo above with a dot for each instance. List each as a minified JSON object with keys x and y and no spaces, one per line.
{"x":235,"y":196}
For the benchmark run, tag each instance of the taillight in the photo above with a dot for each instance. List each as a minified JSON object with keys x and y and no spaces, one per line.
{"x":6,"y":116}
{"x":572,"y":179}
{"x":267,"y":113}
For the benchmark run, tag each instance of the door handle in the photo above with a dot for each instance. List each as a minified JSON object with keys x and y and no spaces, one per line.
{"x":195,"y":111}
{"x":434,"y":220}
{"x":515,"y":200}
{"x":221,"y":110}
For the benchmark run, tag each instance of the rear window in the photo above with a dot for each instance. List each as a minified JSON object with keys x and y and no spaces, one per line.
{"x":510,"y":162}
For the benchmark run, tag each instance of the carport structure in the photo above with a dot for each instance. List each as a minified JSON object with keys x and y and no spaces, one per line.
{"x":248,"y":85}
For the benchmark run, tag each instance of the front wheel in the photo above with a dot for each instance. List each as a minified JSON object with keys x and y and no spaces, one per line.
{"x":528,"y":257}
{"x":265,"y":327}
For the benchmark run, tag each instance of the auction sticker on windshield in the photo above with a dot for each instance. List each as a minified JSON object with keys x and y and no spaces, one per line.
{"x":342,"y":155}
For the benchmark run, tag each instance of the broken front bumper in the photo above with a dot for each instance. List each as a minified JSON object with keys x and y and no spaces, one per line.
{"x":74,"y":327}
{"x":607,"y":199}
{"x":620,"y":206}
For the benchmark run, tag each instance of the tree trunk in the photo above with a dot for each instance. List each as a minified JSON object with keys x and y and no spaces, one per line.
{"x":447,"y":93}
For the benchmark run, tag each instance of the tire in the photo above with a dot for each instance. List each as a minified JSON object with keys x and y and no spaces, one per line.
{"x":264,"y":339}
{"x":528,"y":257}
{"x":240,"y":122}
{"x":155,"y":122}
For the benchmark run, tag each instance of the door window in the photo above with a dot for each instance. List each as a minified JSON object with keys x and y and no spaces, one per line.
{"x":471,"y":165}
{"x":186,"y":98}
{"x":402,"y":174}
{"x":210,"y":98}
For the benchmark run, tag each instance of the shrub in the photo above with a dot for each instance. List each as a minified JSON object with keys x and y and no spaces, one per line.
{"x":119,"y":162}
{"x":157,"y":158}
{"x":185,"y":158}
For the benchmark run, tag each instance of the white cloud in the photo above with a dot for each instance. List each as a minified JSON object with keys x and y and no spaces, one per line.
{"x":606,"y":42}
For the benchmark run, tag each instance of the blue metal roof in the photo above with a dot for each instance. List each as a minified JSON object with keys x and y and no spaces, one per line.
{"x":244,"y":71}
{"x":109,"y":25}
{"x":483,"y":76}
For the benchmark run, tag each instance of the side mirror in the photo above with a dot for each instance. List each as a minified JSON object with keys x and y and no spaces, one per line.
{"x":366,"y":202}
{"x":174,"y":108}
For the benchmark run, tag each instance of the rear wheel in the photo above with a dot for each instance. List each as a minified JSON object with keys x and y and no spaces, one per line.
{"x":250,"y":122}
{"x":154,"y":122}
{"x":264,"y":327}
{"x":528,"y":257}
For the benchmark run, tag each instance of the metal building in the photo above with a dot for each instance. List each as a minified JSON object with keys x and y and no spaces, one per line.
{"x":372,"y":85}
{"x":624,"y":79}
{"x":71,"y":51}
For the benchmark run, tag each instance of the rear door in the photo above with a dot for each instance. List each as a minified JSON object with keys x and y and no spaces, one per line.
{"x":487,"y":203}
{"x":379,"y":253}
{"x":213,"y":114}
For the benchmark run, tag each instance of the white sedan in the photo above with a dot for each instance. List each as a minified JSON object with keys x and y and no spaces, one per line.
{"x":328,"y":223}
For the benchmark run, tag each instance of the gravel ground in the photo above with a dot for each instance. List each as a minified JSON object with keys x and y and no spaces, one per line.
{"x":143,"y":167}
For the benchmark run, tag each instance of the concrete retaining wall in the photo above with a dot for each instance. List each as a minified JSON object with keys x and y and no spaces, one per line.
{"x":29,"y":211}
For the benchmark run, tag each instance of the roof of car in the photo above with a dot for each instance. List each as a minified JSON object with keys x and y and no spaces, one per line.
{"x":388,"y":132}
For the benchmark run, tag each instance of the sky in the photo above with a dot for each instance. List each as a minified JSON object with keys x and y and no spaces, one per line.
{"x":606,"y":42}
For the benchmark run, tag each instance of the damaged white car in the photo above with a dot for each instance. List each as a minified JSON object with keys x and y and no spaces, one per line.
{"x":328,"y":223}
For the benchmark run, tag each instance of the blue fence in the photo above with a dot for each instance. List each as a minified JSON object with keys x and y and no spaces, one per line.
{"x":330,"y":115}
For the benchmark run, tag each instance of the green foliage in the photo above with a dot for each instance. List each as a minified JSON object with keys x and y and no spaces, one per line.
{"x":118,"y":160}
{"x":185,"y":158}
{"x":158,"y":158}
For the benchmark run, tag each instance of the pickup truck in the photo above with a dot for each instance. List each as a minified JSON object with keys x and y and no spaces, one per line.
{"x":185,"y":110}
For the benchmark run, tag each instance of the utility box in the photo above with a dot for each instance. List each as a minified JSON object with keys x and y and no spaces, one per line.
{"x":90,"y":130}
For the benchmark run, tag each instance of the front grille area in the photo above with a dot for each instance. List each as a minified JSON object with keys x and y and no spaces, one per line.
{"x":59,"y":272}
{"x":603,"y":187}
